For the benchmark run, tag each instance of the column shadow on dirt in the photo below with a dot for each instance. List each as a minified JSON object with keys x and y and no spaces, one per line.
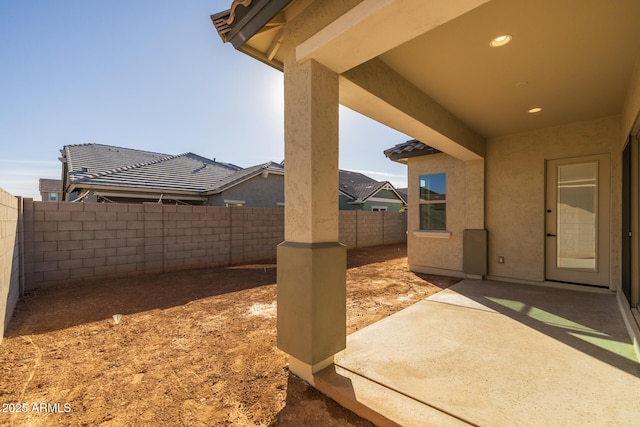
{"x":306,"y":406}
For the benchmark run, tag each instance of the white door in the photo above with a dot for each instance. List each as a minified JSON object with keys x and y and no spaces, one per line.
{"x":577,"y":220}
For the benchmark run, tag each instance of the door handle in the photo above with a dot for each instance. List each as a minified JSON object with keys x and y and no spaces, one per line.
{"x":551,"y":235}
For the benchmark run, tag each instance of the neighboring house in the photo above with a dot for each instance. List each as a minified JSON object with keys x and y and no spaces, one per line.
{"x":359,"y":192}
{"x":50,"y":189}
{"x":533,"y":174}
{"x":256,"y":186}
{"x":96,"y":172}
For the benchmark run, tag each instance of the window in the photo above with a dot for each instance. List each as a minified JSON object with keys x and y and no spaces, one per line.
{"x":378,"y":208}
{"x":53,"y":197}
{"x":433,"y":202}
{"x":231,"y":203}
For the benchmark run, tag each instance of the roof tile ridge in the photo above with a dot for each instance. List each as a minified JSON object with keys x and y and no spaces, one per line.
{"x":237,"y":175}
{"x":130,"y":149}
{"x":208,"y":160}
{"x":128,"y":167}
{"x":375,"y":189}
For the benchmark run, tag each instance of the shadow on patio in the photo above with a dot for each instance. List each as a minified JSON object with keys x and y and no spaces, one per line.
{"x":489,"y":353}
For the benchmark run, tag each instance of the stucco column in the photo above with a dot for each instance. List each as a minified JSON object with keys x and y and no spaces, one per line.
{"x":474,"y":194}
{"x":311,"y":262}
{"x":475,"y":249}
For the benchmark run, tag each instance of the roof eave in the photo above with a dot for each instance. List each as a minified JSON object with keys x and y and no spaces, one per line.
{"x":260,"y":13}
{"x":381,"y":187}
{"x":133,"y":189}
{"x":225,"y":187}
{"x":239,"y":32}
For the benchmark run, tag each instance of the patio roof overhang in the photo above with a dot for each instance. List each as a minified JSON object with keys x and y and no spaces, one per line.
{"x":246,"y":18}
{"x":437,"y":79}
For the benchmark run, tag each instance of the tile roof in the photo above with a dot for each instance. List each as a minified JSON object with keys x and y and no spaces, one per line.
{"x":96,"y":164}
{"x":357,"y":185}
{"x":404,"y":193}
{"x":411,"y":148}
{"x":247,"y":173}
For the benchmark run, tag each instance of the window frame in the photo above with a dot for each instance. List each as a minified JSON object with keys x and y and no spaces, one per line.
{"x":422,"y":202}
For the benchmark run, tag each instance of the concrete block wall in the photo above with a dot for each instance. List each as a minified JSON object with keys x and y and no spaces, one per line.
{"x":191,"y":237}
{"x":394,"y":228}
{"x":360,"y":229}
{"x":348,"y":229}
{"x":255,"y":233}
{"x":370,"y":229}
{"x":73,"y":241}
{"x":9,"y":257}
{"x":66,"y":241}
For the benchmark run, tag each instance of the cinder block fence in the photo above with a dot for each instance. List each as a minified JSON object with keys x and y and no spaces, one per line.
{"x":9,"y":257}
{"x":46,"y":243}
{"x":67,"y":241}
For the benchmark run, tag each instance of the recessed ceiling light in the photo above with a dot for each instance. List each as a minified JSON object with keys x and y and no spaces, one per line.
{"x":500,"y":40}
{"x":535,"y":110}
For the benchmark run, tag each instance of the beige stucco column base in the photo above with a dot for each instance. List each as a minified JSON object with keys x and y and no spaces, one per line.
{"x":312,"y":312}
{"x":306,"y":371}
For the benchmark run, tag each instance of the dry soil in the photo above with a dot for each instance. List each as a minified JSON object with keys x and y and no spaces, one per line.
{"x":192,"y":348}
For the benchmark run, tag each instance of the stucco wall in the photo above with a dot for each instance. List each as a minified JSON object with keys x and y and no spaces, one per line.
{"x":430,"y":254}
{"x":9,"y":258}
{"x":257,"y":192}
{"x":514,"y":199}
{"x":515,"y":192}
{"x":631,"y":108}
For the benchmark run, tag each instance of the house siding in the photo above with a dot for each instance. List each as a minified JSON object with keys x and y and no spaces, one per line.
{"x":391,"y":207}
{"x":385,"y":194}
{"x":343,"y":202}
{"x":257,"y":192}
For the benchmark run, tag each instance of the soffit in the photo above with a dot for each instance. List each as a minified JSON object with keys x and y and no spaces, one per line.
{"x":573,"y":58}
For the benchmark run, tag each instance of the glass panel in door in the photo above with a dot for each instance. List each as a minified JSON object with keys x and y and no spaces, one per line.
{"x":577,"y":227}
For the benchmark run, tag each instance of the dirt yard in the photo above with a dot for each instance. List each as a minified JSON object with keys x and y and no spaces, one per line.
{"x":192,"y":348}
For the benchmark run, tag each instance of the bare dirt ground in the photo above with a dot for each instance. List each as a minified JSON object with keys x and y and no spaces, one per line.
{"x":192,"y":348}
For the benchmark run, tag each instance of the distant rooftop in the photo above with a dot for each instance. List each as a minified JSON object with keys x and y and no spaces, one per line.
{"x":104,"y":165}
{"x":50,"y":185}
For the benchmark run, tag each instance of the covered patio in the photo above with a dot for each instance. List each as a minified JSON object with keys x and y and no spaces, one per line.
{"x":531,"y":113}
{"x":492,"y":353}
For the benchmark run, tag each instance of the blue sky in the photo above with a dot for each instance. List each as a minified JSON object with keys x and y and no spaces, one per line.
{"x":149,"y":75}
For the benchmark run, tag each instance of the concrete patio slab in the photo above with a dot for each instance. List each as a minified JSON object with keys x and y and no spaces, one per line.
{"x":495,"y":354}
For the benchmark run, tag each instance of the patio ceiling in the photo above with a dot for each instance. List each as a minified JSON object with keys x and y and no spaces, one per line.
{"x":572,"y":58}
